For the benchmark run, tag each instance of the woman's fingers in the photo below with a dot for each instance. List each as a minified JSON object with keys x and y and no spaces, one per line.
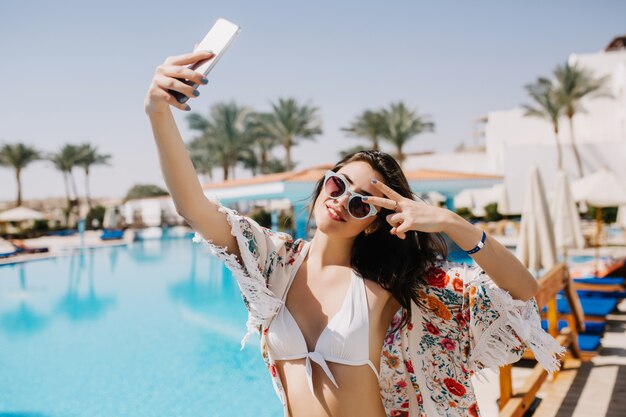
{"x":388,"y":191}
{"x":394,"y":231}
{"x":170,"y":99}
{"x":381,"y":202}
{"x":189,"y":58}
{"x":394,"y":219}
{"x":176,"y":71}
{"x":168,"y":83}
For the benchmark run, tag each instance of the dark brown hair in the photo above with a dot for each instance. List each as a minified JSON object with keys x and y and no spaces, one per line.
{"x":371,"y":254}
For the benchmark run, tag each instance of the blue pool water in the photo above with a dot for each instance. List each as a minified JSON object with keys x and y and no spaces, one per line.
{"x":148,"y":330}
{"x":152,"y":329}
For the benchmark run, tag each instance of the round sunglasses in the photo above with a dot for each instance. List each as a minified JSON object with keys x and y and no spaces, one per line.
{"x":335,"y":186}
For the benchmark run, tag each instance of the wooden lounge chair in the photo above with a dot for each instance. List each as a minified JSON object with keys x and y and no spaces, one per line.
{"x":554,"y":281}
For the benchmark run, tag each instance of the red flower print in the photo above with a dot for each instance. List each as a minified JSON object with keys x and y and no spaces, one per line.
{"x":448,"y":344}
{"x":454,"y":387}
{"x":401,"y":384}
{"x":399,"y":413}
{"x":420,"y":400}
{"x":432,"y":329}
{"x":404,"y":405}
{"x":457,"y":284}
{"x":460,"y":319}
{"x":410,"y":326}
{"x":272,"y":369}
{"x":437,"y":277}
{"x":409,"y":366}
{"x":473,"y":410}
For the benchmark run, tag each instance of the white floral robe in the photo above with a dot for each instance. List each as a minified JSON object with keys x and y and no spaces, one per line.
{"x":462,"y":324}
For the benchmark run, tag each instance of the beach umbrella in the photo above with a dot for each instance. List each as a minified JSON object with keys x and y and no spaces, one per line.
{"x":621,"y":216}
{"x":564,"y":213}
{"x":601,"y":189}
{"x":501,"y":197}
{"x":20,"y":214}
{"x":110,"y":218}
{"x":536,"y":248}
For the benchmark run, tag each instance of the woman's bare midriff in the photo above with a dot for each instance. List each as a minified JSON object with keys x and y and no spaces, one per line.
{"x":357,"y":395}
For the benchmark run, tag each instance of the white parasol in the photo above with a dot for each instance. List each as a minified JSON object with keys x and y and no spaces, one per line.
{"x":20,"y":214}
{"x":536,"y":248}
{"x":601,"y":189}
{"x":567,"y":230}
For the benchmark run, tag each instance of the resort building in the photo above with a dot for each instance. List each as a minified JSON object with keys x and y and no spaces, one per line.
{"x":513,"y":141}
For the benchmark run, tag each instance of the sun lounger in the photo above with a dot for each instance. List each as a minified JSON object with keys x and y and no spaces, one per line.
{"x":594,"y":308}
{"x":556,"y":279}
{"x":20,"y":247}
{"x":8,"y":254}
{"x":588,"y":341}
{"x":110,"y":234}
{"x":602,"y":294}
{"x":601,"y":281}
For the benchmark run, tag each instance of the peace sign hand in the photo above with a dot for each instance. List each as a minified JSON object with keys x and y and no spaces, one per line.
{"x":409,"y":214}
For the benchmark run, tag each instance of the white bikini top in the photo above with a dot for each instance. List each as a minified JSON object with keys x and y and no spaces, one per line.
{"x":345,"y":339}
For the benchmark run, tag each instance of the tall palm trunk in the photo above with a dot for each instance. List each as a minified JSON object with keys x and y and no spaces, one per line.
{"x":74,"y":188}
{"x":67,"y":191}
{"x":87,"y":196}
{"x":558,"y":147}
{"x":400,"y":155}
{"x":18,"y":174}
{"x":288,"y":144}
{"x":263,"y":158}
{"x":574,"y":146}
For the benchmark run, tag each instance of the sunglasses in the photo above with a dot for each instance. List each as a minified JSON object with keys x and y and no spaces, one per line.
{"x":335,"y":186}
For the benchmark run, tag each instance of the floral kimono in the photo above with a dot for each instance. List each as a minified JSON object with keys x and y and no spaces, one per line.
{"x":462,"y":324}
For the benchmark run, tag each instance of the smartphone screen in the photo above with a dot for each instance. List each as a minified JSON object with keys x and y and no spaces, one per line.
{"x":218,"y":39}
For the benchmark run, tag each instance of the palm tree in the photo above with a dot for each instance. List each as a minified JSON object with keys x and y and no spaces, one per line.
{"x":18,"y":156}
{"x":574,"y":84}
{"x":89,"y":156}
{"x":368,"y":125}
{"x":401,"y":124}
{"x":262,"y":139}
{"x":202,"y":156}
{"x":65,"y":160}
{"x":549,"y":106}
{"x":226,"y":129}
{"x":290,"y":121}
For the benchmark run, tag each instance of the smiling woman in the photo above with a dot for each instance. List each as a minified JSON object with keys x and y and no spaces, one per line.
{"x":368,"y":318}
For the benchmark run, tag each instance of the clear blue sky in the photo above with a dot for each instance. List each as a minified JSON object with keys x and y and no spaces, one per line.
{"x":77,"y":71}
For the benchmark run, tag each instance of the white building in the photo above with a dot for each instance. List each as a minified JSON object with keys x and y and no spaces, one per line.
{"x":514,"y":141}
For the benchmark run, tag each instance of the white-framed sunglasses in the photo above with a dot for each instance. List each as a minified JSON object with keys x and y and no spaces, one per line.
{"x":336,"y":185}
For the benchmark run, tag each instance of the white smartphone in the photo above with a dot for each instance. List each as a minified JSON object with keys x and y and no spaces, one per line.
{"x":218,"y":39}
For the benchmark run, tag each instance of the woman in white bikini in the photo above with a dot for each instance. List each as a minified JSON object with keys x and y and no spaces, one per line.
{"x":368,"y":318}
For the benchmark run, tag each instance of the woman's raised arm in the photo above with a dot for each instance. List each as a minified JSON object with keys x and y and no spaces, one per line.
{"x":178,"y":171}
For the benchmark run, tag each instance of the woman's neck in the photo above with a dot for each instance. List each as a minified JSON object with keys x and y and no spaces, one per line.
{"x":328,"y":250}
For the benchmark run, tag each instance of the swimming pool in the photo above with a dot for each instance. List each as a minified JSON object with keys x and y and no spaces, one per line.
{"x":152,"y":329}
{"x":148,"y":330}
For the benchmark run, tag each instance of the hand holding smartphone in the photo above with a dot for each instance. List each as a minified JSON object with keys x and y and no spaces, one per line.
{"x":217,"y":40}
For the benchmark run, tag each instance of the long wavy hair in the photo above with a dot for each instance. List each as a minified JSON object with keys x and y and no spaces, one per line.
{"x":371,"y":254}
